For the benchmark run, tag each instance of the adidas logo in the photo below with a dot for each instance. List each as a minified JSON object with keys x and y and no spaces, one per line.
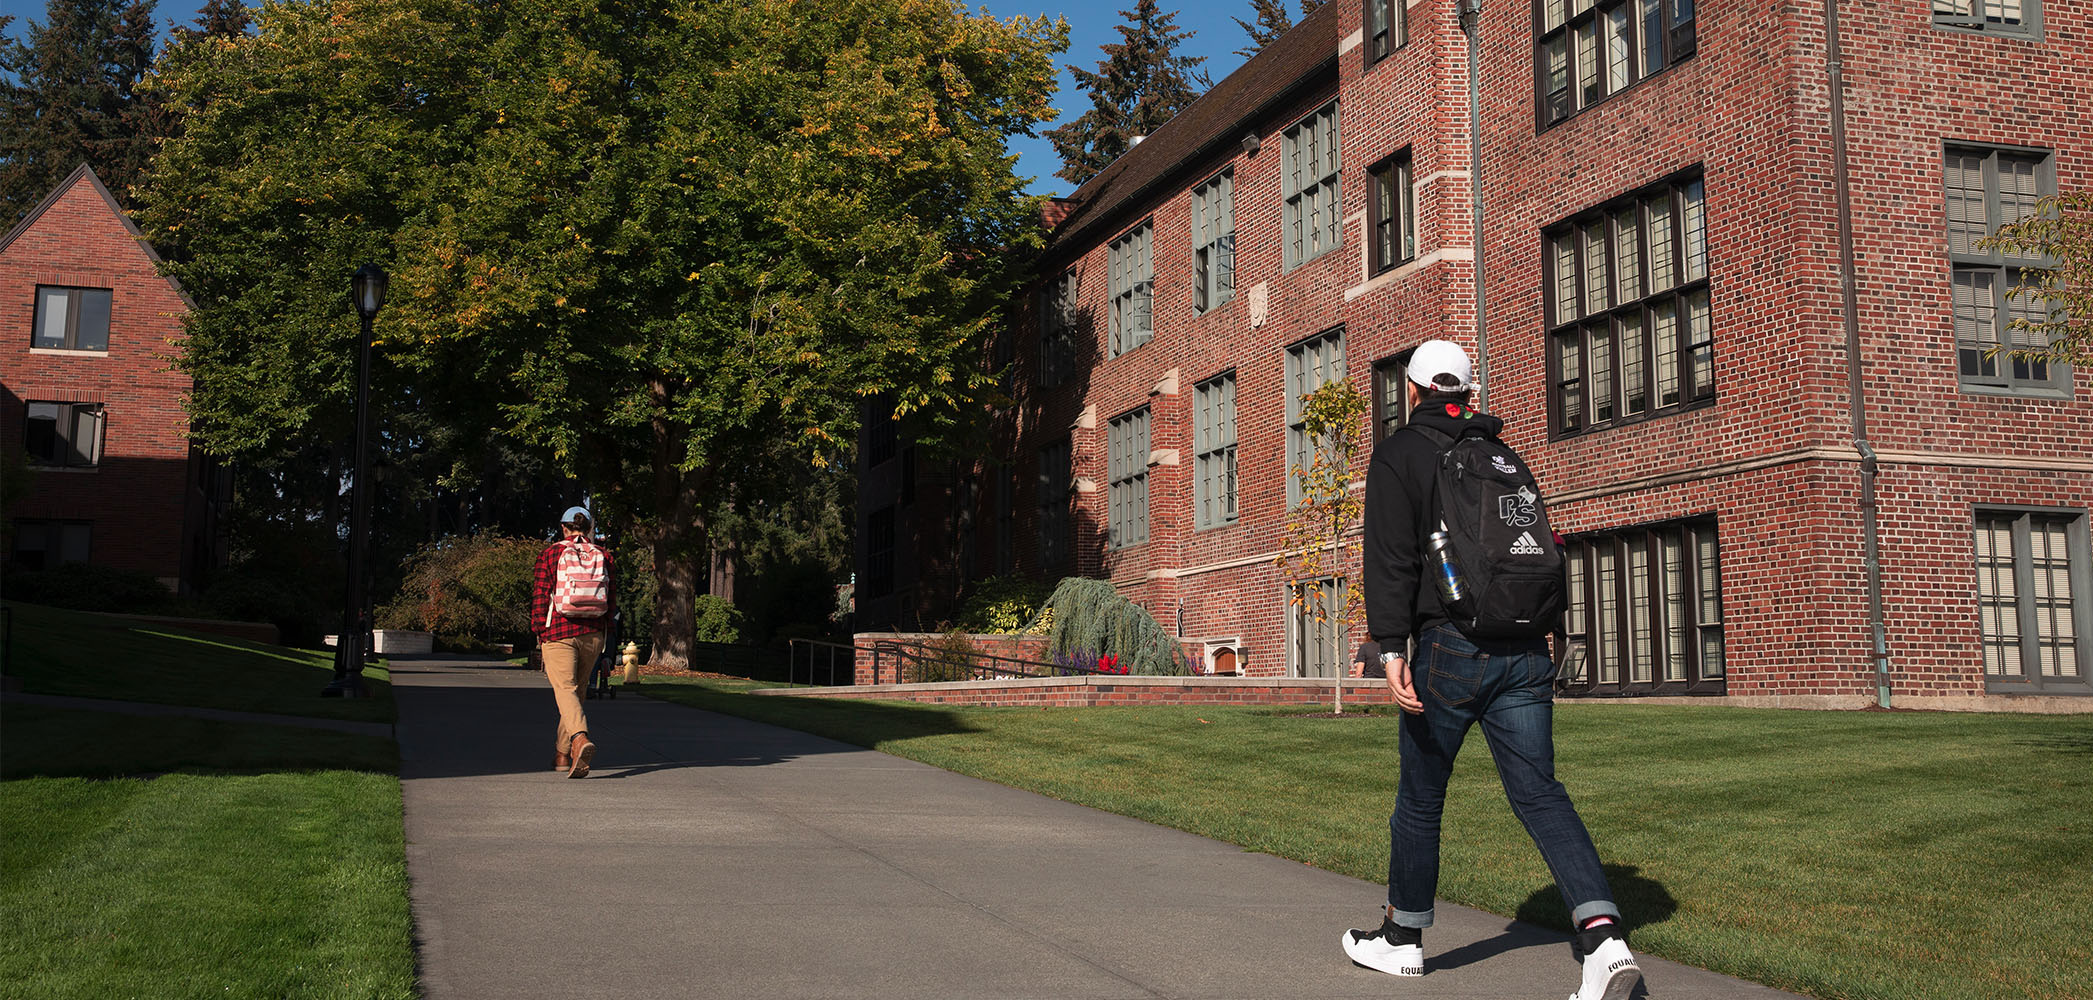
{"x":1526,"y":546}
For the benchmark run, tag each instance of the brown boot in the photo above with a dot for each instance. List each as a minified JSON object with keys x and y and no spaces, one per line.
{"x":560,"y":761}
{"x":581,"y":750}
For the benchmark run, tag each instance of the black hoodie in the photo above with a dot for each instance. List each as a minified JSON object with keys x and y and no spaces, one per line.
{"x":1400,"y":602}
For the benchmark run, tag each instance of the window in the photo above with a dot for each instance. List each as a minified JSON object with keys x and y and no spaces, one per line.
{"x":1391,"y":401}
{"x":1629,"y":330}
{"x":1993,"y":17}
{"x":1391,"y":203}
{"x":1987,"y":188}
{"x":1588,"y":50}
{"x":1309,"y":175}
{"x":44,"y":544}
{"x":1645,"y":614}
{"x":2033,"y":603}
{"x":1006,"y":516}
{"x":1317,"y":649}
{"x":1385,"y":30}
{"x":1057,"y":330}
{"x":879,"y":552}
{"x":1133,"y":290}
{"x":1127,"y":454}
{"x":66,"y":434}
{"x":1213,"y":242}
{"x":1054,"y":476}
{"x":881,"y":439}
{"x":1213,"y":433}
{"x":1309,"y":364}
{"x":71,"y":319}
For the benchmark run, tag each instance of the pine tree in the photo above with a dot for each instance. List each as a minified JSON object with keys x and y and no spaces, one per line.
{"x":70,"y":94}
{"x":218,"y":19}
{"x":1272,"y":21}
{"x":1140,"y":84}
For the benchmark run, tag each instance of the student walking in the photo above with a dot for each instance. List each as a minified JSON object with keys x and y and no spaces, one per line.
{"x":1473,"y":664}
{"x":571,"y":605}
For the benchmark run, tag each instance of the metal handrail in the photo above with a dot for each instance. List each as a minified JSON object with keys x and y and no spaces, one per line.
{"x":987,"y":664}
{"x":792,"y":664}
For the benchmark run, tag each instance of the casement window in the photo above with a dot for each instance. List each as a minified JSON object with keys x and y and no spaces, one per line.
{"x":1645,"y":612}
{"x":65,"y":434}
{"x":1057,"y":330}
{"x":1311,"y":225}
{"x":1126,"y":454}
{"x":1309,"y":364}
{"x":1629,"y":330}
{"x":879,"y":552}
{"x":2020,"y":18}
{"x":1386,"y":29}
{"x":882,"y":437}
{"x":1055,"y":476}
{"x":71,"y":319}
{"x":1213,"y":242}
{"x":41,"y":544}
{"x":1986,"y":188}
{"x":1213,"y":444}
{"x":1133,"y":289}
{"x":1588,"y":50}
{"x":2035,"y":601}
{"x":1391,"y":202}
{"x":1391,"y":399}
{"x":1317,"y":646}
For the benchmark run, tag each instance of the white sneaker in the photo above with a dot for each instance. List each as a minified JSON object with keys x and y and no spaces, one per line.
{"x":1398,"y":951}
{"x":1610,"y":972}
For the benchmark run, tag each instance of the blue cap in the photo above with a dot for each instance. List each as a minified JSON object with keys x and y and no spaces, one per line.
{"x":576,"y":513}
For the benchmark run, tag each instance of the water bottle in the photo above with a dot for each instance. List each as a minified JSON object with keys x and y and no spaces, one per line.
{"x":1440,"y":546}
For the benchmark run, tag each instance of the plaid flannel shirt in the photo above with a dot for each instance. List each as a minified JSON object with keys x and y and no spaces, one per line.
{"x":563,"y":627}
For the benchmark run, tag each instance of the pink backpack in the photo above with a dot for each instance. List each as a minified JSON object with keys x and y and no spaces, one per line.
{"x":580,"y":587}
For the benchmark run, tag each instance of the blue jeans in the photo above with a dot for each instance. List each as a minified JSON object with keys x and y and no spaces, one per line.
{"x":1509,"y":689}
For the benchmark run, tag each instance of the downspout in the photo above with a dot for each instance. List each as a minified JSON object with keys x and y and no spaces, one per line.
{"x":1842,"y":183}
{"x":1471,"y":12}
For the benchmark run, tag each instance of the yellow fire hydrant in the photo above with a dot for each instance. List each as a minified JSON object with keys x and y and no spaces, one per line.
{"x":630,"y":657}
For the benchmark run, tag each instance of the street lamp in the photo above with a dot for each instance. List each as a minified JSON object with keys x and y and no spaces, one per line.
{"x":367,"y":292}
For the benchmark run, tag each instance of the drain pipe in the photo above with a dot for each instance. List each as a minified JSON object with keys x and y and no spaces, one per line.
{"x":1870,"y":467}
{"x":1471,"y":13}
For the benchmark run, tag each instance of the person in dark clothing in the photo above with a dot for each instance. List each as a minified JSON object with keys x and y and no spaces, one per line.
{"x":1453,"y":683}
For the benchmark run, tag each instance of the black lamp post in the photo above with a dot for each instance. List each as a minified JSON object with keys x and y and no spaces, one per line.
{"x":367,"y":291}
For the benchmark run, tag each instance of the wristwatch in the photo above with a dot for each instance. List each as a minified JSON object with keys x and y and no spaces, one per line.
{"x":1387,"y":657}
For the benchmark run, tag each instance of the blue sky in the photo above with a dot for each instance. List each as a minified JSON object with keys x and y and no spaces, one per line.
{"x":1090,"y":24}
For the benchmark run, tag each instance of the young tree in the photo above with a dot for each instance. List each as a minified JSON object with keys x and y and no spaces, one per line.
{"x":1316,"y":529}
{"x":70,"y":93}
{"x":1141,"y":83}
{"x":2060,"y":233}
{"x":653,"y":243}
{"x":1271,"y":22}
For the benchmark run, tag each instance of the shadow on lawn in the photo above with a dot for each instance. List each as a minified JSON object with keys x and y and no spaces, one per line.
{"x":2075,"y":743}
{"x":1643,"y":901}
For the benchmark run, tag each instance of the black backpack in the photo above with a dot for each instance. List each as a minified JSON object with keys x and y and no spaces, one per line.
{"x":1501,"y":543}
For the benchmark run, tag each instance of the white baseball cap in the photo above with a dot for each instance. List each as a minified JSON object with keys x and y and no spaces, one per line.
{"x":1441,"y":366}
{"x":575,"y":515}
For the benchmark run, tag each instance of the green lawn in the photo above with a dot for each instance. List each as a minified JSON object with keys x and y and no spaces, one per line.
{"x":1838,"y":854}
{"x":229,"y":860}
{"x":101,"y":656}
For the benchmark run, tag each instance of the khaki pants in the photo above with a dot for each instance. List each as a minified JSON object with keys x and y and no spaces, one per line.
{"x":568,"y":664}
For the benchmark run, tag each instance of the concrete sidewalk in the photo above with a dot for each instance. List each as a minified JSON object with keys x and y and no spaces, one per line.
{"x":708,"y":856}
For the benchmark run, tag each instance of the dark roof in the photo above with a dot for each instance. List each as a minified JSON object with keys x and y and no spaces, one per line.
{"x":1305,"y":56}
{"x":83,"y":170}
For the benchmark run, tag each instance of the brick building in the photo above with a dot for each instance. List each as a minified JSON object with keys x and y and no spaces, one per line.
{"x":1669,"y":191}
{"x":87,"y":391}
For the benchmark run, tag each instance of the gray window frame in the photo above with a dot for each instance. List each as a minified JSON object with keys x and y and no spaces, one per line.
{"x":1051,"y":495}
{"x":56,"y":530}
{"x":79,"y":434}
{"x":1391,"y":213}
{"x":1599,"y":655}
{"x":2079,"y":571}
{"x":2012,"y":377}
{"x":75,"y":298}
{"x":1323,"y":654}
{"x":1213,"y":243}
{"x":881,"y":535}
{"x":1391,"y":400}
{"x":1310,"y":363}
{"x":1133,"y":282}
{"x":1385,"y":29}
{"x":1310,"y":167}
{"x":1977,"y":21}
{"x":1215,"y":494}
{"x":1058,"y":316}
{"x":1126,"y":451}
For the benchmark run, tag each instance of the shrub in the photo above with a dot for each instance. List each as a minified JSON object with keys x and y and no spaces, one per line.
{"x":950,"y":657}
{"x":716,"y":619}
{"x":471,"y":592}
{"x":88,"y":587}
{"x":1092,"y":621}
{"x":1002,"y":605}
{"x":301,"y":610}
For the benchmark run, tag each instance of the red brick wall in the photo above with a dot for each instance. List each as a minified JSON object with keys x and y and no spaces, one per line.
{"x":135,"y":499}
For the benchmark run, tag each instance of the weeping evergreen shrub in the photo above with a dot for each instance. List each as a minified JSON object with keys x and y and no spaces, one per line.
{"x":1090,"y":619}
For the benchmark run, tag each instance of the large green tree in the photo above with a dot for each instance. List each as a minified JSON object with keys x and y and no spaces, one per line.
{"x":1141,"y":83}
{"x":69,"y":93}
{"x":654,"y":242}
{"x":1269,"y":21}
